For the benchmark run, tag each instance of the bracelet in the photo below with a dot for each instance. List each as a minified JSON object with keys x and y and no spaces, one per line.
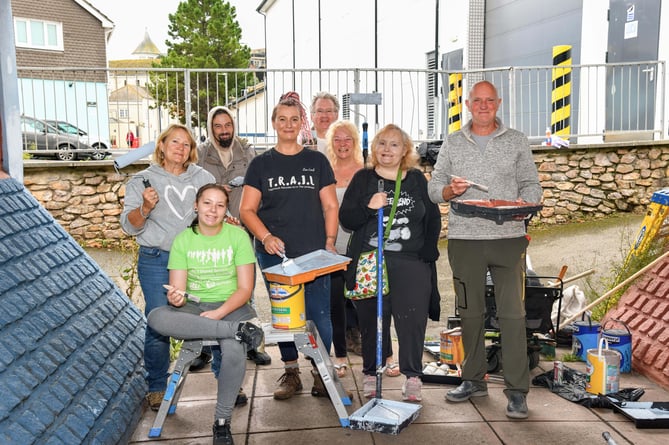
{"x":262,"y":241}
{"x":142,"y":213}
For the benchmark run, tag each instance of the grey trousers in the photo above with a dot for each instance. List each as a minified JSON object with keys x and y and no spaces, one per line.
{"x":505,"y":258}
{"x":185,"y":323}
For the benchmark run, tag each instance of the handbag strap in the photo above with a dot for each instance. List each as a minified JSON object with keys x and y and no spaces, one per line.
{"x":391,"y":217}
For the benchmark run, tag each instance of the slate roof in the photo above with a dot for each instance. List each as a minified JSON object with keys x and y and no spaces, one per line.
{"x":645,"y":309}
{"x":70,"y":341}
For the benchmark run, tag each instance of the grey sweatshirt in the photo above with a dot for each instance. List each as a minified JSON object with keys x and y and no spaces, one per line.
{"x":506,"y":166}
{"x":174,"y":210}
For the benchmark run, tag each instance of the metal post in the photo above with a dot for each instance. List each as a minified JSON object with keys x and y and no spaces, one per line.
{"x":356,"y":89}
{"x":187,"y":99}
{"x":512,"y":98}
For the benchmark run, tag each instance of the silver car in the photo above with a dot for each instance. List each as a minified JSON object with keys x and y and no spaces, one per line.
{"x":100,"y":145}
{"x":43,"y":140}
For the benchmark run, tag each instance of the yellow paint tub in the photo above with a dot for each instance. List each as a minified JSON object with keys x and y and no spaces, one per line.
{"x":288,"y":308}
{"x":603,"y":369}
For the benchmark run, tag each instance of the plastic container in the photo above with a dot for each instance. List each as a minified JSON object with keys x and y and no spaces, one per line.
{"x":585,"y":335}
{"x":288,"y":308}
{"x":603,"y":369}
{"x":619,"y":340}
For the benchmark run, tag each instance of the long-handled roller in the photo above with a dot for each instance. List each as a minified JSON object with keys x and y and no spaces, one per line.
{"x":378,"y":415}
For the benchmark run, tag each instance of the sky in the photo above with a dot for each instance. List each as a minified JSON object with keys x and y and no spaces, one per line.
{"x":132,"y":17}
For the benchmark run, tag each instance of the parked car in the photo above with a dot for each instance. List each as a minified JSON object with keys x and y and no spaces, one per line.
{"x":101,"y":146}
{"x":43,"y":140}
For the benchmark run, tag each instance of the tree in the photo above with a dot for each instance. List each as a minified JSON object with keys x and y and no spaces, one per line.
{"x":204,"y":34}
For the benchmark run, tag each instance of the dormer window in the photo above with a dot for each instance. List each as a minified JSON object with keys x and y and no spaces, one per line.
{"x":38,"y":34}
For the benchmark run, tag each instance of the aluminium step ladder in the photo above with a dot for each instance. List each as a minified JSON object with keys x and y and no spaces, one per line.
{"x":308,"y":341}
{"x":190,"y":350}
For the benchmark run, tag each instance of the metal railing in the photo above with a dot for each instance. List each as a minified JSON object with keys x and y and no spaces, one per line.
{"x":605,"y":102}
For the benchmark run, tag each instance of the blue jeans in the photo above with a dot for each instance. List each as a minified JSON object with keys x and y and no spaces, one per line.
{"x":152,"y":273}
{"x":317,"y":302}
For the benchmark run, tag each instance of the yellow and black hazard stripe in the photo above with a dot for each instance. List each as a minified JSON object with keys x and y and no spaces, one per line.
{"x":454,"y":101}
{"x":561,"y":91}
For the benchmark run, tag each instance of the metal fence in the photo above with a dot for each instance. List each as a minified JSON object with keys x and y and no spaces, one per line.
{"x":595,"y":103}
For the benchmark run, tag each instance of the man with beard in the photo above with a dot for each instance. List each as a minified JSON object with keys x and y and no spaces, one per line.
{"x":227,"y":157}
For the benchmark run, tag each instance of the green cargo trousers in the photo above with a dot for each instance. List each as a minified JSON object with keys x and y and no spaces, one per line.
{"x":505,"y":259}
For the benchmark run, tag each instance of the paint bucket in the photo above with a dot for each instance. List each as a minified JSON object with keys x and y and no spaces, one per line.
{"x":288,"y":310}
{"x":451,"y":351}
{"x":620,"y":340}
{"x":602,"y":369}
{"x":584,"y":336}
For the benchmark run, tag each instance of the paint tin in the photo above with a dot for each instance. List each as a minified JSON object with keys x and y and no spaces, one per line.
{"x":585,"y":335}
{"x":288,"y":307}
{"x":451,"y":351}
{"x":619,"y":340}
{"x":602,"y":369}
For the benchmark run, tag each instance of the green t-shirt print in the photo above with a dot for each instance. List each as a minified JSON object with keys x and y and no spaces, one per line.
{"x":211,"y":261}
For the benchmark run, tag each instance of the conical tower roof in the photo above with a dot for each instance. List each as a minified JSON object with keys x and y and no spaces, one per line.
{"x":147,"y":48}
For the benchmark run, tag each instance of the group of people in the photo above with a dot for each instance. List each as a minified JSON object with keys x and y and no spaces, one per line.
{"x":311,"y":191}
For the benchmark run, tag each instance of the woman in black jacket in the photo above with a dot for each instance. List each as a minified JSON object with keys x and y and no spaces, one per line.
{"x":409,"y":253}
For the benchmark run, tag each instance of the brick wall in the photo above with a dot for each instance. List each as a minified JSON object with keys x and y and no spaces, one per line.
{"x":645,"y":310}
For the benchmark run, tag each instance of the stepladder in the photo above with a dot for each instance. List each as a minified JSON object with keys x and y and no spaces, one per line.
{"x":308,"y":341}
{"x":190,"y":350}
{"x":655,"y":224}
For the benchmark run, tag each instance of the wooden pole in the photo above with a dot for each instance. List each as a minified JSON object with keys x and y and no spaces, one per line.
{"x":616,"y":288}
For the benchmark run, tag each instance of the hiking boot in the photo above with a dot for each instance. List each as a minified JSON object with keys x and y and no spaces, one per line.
{"x":250,"y":334}
{"x":241,"y":399}
{"x":290,"y":384}
{"x":200,"y":361}
{"x":411,"y":389}
{"x":369,"y":387}
{"x":353,"y":341}
{"x":517,"y":407}
{"x":155,"y":398}
{"x":222,"y":433}
{"x":466,"y":390}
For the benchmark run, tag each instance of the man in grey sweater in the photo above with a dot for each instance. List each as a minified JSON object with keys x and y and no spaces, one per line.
{"x":486,"y":152}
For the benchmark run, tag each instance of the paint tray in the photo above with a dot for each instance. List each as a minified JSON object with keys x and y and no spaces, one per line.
{"x":495,"y":209}
{"x":307,"y":267}
{"x":644,"y":414}
{"x":384,"y":416}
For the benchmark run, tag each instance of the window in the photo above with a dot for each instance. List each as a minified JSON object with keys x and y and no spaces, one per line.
{"x":123,"y":113}
{"x":38,"y":34}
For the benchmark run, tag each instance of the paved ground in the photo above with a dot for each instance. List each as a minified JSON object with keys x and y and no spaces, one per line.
{"x":309,"y":420}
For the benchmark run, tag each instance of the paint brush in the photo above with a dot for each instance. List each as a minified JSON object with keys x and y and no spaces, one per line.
{"x":483,"y":188}
{"x":190,"y":297}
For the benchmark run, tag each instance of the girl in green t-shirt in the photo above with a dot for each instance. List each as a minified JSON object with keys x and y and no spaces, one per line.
{"x":212,"y":266}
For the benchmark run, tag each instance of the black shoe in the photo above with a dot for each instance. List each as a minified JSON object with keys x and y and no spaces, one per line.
{"x":250,"y":334}
{"x":200,"y":361}
{"x":517,"y":407}
{"x":241,"y":399}
{"x":466,"y":390}
{"x":222,"y":434}
{"x":260,"y":358}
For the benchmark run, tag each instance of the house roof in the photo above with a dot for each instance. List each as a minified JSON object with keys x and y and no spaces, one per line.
{"x":104,"y":20}
{"x":129,"y":93}
{"x":72,"y":343}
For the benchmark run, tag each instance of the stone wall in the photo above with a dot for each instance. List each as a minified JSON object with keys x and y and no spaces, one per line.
{"x":86,"y":198}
